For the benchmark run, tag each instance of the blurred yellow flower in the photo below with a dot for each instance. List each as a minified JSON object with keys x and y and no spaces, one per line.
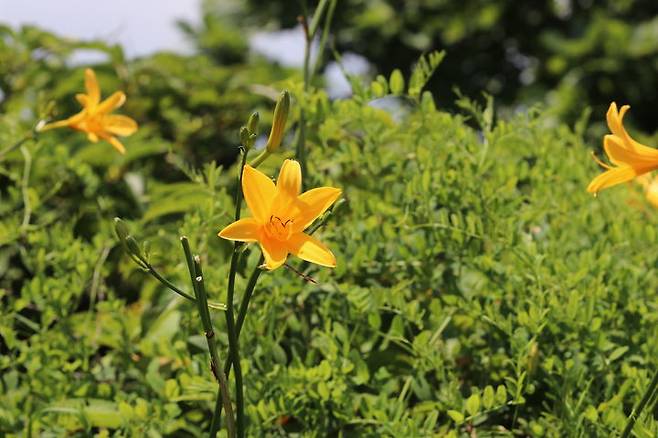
{"x":280,"y":215}
{"x":630,"y":158}
{"x":95,"y":118}
{"x":650,"y":184}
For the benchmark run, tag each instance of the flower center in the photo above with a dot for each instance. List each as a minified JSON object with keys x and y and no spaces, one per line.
{"x":278,"y":228}
{"x":92,"y":123}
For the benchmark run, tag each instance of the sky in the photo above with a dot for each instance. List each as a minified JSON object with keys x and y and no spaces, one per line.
{"x":146,"y":26}
{"x":141,"y":26}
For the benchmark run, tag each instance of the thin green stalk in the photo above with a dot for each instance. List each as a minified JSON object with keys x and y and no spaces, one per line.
{"x":234,"y":348}
{"x":309,"y":32}
{"x":249,"y":290}
{"x":325,"y":36}
{"x":234,"y":353}
{"x":260,"y":158}
{"x":244,"y":306}
{"x":151,"y":270}
{"x":25,"y":183}
{"x":132,"y":248}
{"x":168,"y":283}
{"x":637,"y":411}
{"x":216,"y":361}
{"x":317,"y":16}
{"x":19,"y":143}
{"x":300,"y":151}
{"x":196,"y":275}
{"x":238,"y":190}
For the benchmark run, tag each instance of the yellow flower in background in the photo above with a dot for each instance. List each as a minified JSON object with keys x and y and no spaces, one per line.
{"x":650,"y":184}
{"x":629,"y":158}
{"x":95,"y":118}
{"x":280,"y":215}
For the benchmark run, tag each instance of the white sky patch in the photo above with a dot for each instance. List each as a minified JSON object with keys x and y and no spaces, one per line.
{"x":337,"y":84}
{"x":140,"y":26}
{"x":143,"y":27}
{"x":284,"y":46}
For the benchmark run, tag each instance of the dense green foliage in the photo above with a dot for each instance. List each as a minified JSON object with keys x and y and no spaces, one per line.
{"x":571,"y":53}
{"x":479,"y":288}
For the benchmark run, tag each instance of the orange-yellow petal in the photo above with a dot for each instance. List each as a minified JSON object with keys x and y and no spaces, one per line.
{"x":616,"y":124}
{"x":114,"y":142}
{"x":274,"y":252}
{"x":288,"y":186}
{"x":620,"y":153}
{"x":119,"y":125}
{"x":311,"y":249}
{"x":92,"y":137}
{"x":612,"y":177}
{"x":69,"y":122}
{"x":259,"y":192}
{"x":614,"y":120}
{"x":311,"y":204}
{"x":111,"y":103}
{"x":54,"y":125}
{"x":290,"y":178}
{"x":91,"y":85}
{"x":243,"y":230}
{"x":82,"y":99}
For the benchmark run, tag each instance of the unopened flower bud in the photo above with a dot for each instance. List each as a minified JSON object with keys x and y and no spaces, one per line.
{"x":121,"y":229}
{"x":252,"y":124}
{"x":133,"y":247}
{"x":279,"y":122}
{"x":244,"y":137}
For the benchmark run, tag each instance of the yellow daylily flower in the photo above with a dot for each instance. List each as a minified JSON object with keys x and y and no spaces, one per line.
{"x":280,"y":215}
{"x":650,"y":185}
{"x":630,"y":159}
{"x":95,"y":118}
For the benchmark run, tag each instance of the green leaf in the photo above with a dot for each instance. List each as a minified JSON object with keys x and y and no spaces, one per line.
{"x":617,"y":353}
{"x":473,"y":404}
{"x":456,"y":416}
{"x":396,"y":82}
{"x":501,"y":394}
{"x":488,"y":397}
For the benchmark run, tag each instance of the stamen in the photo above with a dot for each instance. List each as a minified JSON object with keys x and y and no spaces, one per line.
{"x":599,"y":162}
{"x":280,"y":230}
{"x":306,"y":278}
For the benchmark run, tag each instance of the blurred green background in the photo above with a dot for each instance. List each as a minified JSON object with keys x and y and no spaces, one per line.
{"x":568,"y":54}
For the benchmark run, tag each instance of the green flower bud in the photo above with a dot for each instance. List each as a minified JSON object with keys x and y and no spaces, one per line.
{"x":121,"y":229}
{"x":244,"y":137}
{"x":279,"y":123}
{"x":133,"y":247}
{"x":252,"y":124}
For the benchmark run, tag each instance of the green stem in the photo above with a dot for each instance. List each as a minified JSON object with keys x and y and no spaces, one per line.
{"x":234,"y":353}
{"x":25,"y":187}
{"x":196,"y":275}
{"x":234,"y":348}
{"x":637,"y":411}
{"x":168,"y":283}
{"x":300,"y":151}
{"x":317,"y":16}
{"x":244,"y":306}
{"x":151,"y":270}
{"x":259,"y":159}
{"x":144,"y":264}
{"x":249,"y":290}
{"x":325,"y":36}
{"x":19,"y":143}
{"x":238,"y":190}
